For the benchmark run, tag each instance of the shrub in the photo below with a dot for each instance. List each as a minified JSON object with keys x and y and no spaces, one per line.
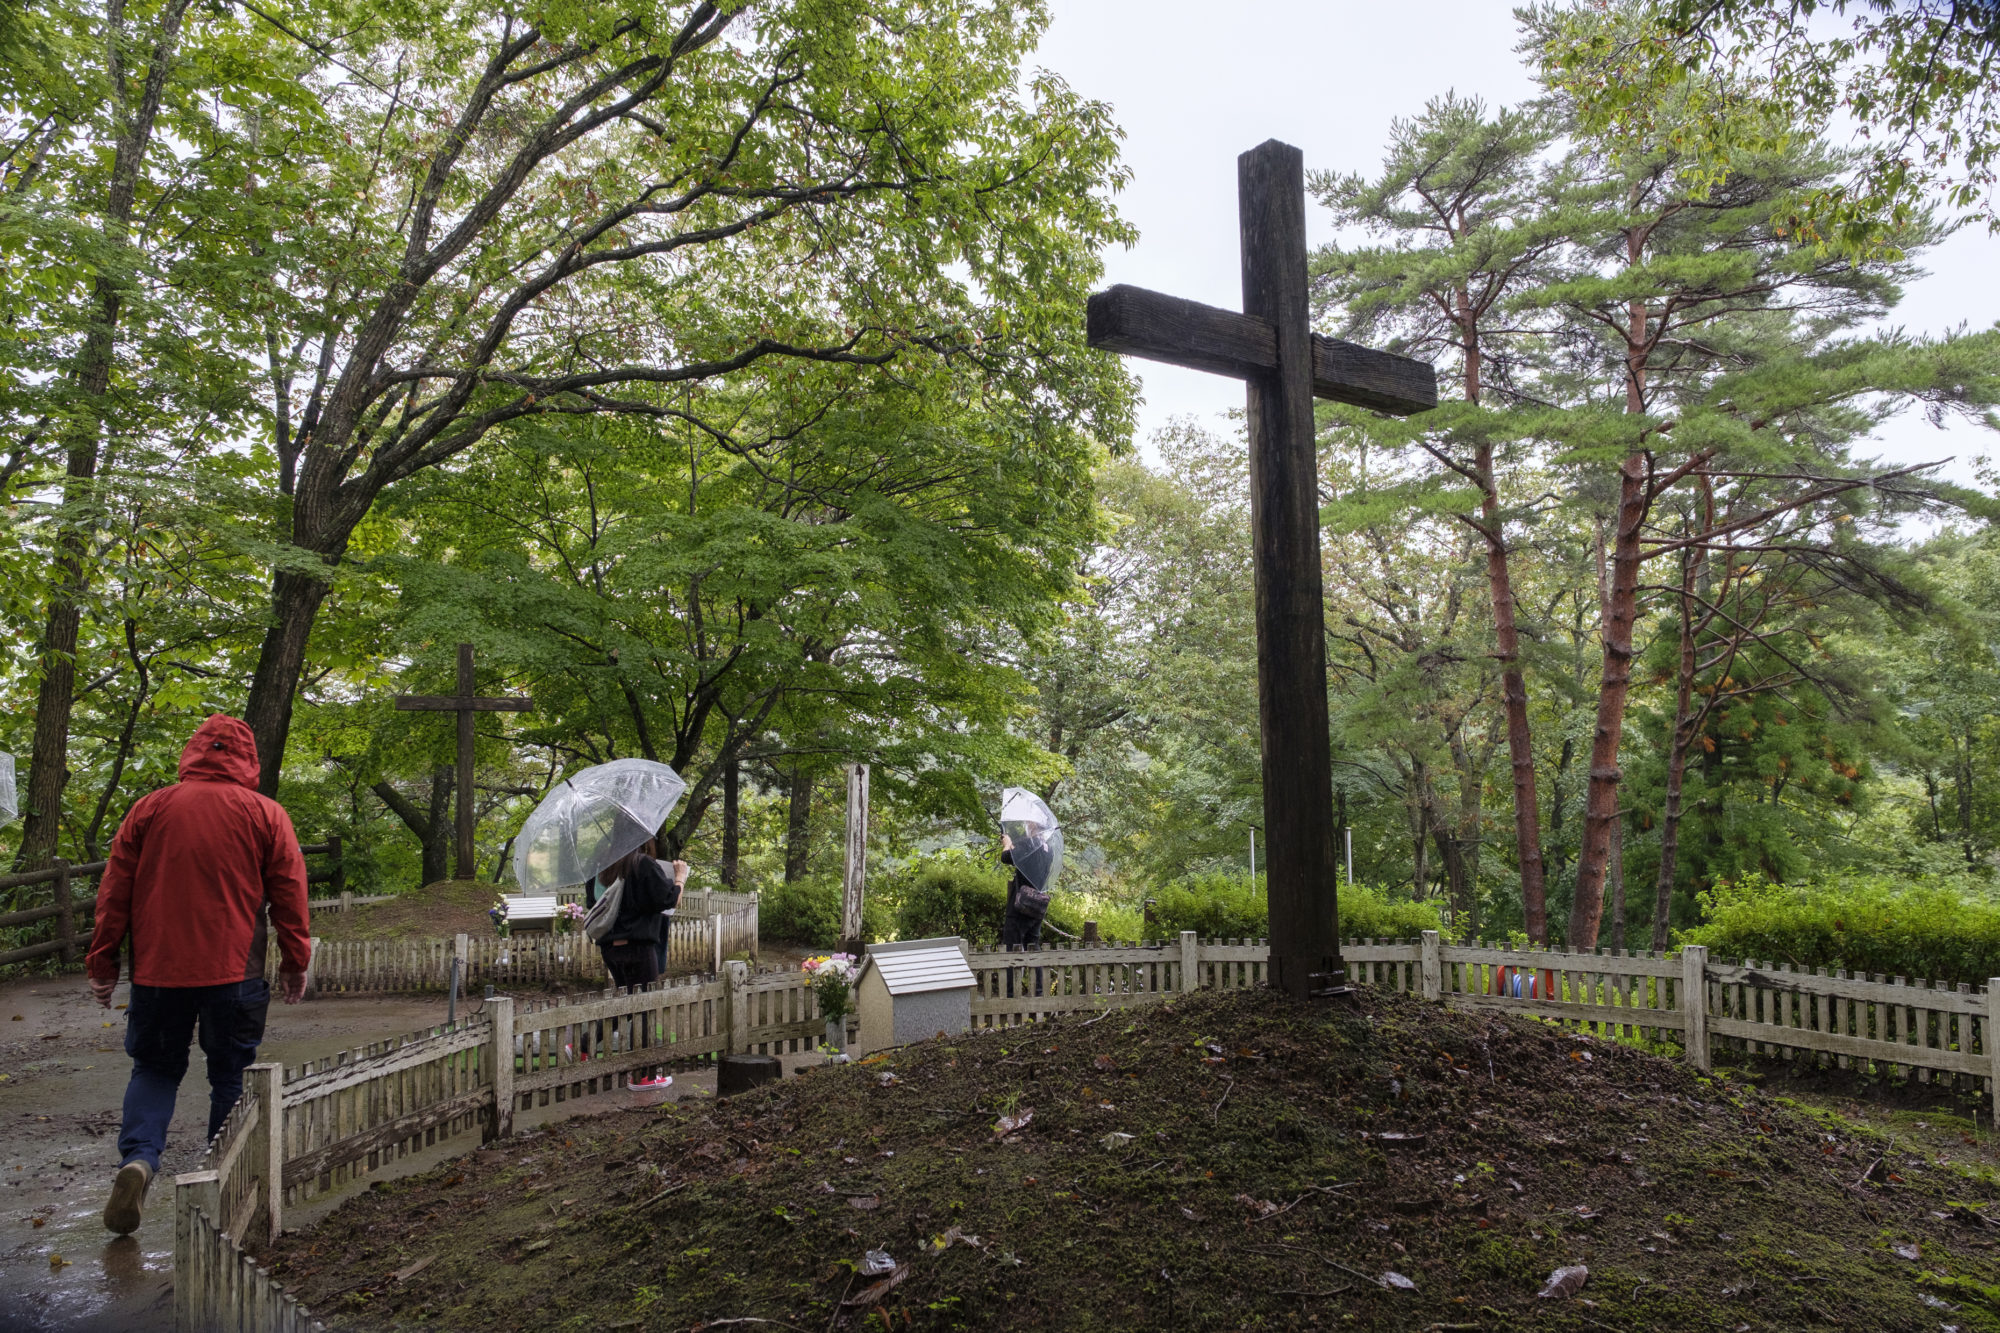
{"x":1366,"y":911}
{"x":1226,"y":906}
{"x":808,"y":912}
{"x":950,"y":893}
{"x":1217,"y":905}
{"x":1115,"y":920}
{"x":1863,"y":923}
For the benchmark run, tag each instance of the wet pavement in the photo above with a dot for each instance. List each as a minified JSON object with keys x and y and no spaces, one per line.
{"x":62,"y":1081}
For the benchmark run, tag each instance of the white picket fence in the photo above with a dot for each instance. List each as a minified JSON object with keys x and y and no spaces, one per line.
{"x":302,"y":1131}
{"x":707,"y":930}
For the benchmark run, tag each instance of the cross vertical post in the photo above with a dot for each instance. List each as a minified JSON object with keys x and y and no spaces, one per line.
{"x":1284,"y":536}
{"x":465,"y":704}
{"x":465,"y":868}
{"x":1270,"y":345}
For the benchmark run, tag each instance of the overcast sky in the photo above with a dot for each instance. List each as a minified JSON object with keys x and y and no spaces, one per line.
{"x":1194,"y":84}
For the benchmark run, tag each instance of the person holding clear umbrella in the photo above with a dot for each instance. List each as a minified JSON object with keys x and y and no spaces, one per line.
{"x":596,"y":827}
{"x":632,"y":952}
{"x":1031,"y":842}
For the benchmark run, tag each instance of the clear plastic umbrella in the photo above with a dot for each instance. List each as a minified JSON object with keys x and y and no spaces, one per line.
{"x":591,"y":819}
{"x":1038,"y":838}
{"x":9,"y":804}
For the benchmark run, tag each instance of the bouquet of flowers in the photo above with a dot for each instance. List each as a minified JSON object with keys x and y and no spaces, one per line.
{"x":569,"y":916}
{"x":499,"y":914}
{"x":833,"y":981}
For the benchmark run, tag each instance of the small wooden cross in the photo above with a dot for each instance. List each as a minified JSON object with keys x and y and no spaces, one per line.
{"x":1272,"y":347}
{"x":465,"y":705}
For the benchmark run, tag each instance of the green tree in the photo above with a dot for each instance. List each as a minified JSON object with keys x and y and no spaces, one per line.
{"x":817,"y":190}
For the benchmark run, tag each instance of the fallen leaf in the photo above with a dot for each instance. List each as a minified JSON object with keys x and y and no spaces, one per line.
{"x":1565,"y":1281}
{"x":532,"y":1246}
{"x":58,"y":1263}
{"x":408,"y":1271}
{"x":41,"y":1222}
{"x":1115,"y":1140}
{"x":1106,"y":1063}
{"x":1908,"y":1251}
{"x":1009,"y":1124}
{"x":1261,"y":1207}
{"x":876,"y":1262}
{"x":867,"y":1203}
{"x":1398,"y":1281}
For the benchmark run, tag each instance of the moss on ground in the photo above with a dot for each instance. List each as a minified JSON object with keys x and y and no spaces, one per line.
{"x":1225,"y":1162}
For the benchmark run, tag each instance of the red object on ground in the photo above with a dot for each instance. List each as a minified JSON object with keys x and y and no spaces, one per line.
{"x":193,"y":869}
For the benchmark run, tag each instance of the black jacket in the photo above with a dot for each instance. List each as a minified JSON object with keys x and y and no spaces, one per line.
{"x":649,"y":892}
{"x":1014,"y":887}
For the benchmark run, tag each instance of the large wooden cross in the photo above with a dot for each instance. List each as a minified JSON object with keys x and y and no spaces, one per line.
{"x":465,"y":705}
{"x":1271,"y":347}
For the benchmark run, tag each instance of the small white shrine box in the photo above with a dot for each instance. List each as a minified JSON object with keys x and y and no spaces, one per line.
{"x":912,"y":990}
{"x":527,"y":915}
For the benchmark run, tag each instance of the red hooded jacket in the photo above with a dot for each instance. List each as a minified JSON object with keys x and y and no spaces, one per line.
{"x":196,"y":871}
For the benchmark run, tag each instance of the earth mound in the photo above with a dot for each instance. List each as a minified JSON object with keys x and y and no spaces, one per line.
{"x":1223,"y":1162}
{"x":444,"y":908}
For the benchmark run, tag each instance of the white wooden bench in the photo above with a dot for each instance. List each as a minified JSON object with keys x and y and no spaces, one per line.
{"x":531,"y":914}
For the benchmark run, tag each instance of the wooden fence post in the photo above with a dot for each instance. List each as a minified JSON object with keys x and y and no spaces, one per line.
{"x":1190,"y":962}
{"x":1433,"y":967}
{"x":1090,"y":932}
{"x":736,"y":1005}
{"x":1694,"y":1003}
{"x":194,"y":1302}
{"x":854,"y":870}
{"x":500,"y":1012}
{"x":715,"y":939}
{"x":1989,"y":1038}
{"x":266,"y":1083}
{"x":65,"y":920}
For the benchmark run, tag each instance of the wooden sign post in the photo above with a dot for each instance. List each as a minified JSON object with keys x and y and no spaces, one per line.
{"x":1272,"y":348}
{"x":854,"y":872}
{"x":465,"y":705}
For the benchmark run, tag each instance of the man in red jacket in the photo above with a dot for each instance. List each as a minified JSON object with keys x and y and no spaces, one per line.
{"x":198,"y":873}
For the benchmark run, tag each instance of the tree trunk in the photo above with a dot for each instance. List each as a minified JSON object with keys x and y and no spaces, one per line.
{"x":798,"y":826}
{"x":1678,"y":741}
{"x":48,"y":761}
{"x":1617,"y":872}
{"x":1514,"y":695}
{"x":295,"y":601}
{"x":1600,"y":808}
{"x":139,"y":696}
{"x":1420,"y":821}
{"x":732,"y":778}
{"x":435,"y":830}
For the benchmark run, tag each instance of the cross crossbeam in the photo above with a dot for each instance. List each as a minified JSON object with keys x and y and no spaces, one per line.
{"x":1138,"y":322}
{"x":1271,"y":347}
{"x":466,"y":705}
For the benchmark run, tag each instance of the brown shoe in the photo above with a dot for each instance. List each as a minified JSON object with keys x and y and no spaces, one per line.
{"x":128,"y":1196}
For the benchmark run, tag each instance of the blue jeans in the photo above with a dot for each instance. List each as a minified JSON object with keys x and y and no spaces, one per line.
{"x":160,"y":1024}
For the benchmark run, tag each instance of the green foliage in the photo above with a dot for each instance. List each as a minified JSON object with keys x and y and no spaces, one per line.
{"x":1227,"y":905}
{"x":952,"y":893}
{"x":1217,"y":905}
{"x":1940,"y":931}
{"x":807,"y":912}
